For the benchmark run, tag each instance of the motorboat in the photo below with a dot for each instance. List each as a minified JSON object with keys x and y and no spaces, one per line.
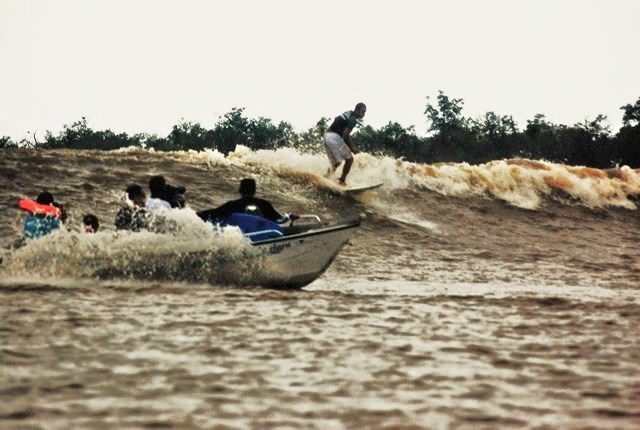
{"x":296,"y":255}
{"x":290,"y":255}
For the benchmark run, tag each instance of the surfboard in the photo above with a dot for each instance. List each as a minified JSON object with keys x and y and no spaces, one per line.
{"x":361,"y":188}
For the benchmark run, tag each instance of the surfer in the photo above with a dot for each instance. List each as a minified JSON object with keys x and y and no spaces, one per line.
{"x":247,"y":203}
{"x":133,"y":216}
{"x":337,"y":141}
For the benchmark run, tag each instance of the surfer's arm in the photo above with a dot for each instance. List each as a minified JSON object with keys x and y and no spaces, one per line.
{"x":346,"y":136}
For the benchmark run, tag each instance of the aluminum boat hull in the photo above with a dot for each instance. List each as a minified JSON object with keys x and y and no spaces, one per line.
{"x":293,"y":261}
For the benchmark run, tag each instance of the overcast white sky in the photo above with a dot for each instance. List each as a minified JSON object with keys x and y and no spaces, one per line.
{"x":141,"y":66}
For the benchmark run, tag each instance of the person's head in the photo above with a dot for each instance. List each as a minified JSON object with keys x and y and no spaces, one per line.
{"x":247,"y":187}
{"x":360,"y":110}
{"x":157,"y":185}
{"x":44,"y":198}
{"x":90,"y":223}
{"x":136,"y":194}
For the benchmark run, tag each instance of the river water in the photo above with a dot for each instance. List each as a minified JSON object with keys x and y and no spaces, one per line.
{"x":497,"y":296}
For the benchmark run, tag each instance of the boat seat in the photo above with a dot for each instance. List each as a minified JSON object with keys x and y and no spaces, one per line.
{"x":255,"y":227}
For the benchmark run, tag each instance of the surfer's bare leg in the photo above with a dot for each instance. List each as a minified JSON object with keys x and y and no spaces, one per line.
{"x":345,"y":170}
{"x":331,"y":170}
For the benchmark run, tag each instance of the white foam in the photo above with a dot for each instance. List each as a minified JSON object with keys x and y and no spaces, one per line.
{"x":179,"y":237}
{"x":521,"y":183}
{"x":407,"y":217}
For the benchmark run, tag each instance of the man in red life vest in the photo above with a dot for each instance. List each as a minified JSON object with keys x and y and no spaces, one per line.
{"x":45,"y":215}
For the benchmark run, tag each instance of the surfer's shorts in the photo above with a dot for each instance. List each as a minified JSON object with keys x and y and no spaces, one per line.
{"x":337,"y":150}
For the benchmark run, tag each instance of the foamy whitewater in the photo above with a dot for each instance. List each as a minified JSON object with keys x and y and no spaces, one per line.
{"x":502,"y":295}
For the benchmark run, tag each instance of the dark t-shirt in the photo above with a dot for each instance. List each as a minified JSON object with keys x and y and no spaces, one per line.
{"x":346,"y":120}
{"x":221,"y":212}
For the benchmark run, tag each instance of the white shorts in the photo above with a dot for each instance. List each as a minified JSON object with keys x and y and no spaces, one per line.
{"x":337,"y":150}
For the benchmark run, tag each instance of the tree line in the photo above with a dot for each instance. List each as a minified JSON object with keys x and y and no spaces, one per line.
{"x":452,"y":137}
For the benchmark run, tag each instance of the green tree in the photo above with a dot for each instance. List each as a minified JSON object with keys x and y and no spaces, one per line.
{"x":263,"y":134}
{"x":391,"y":139}
{"x":631,"y":114}
{"x":596,"y":147}
{"x":80,"y":136}
{"x":234,"y":129}
{"x":6,"y":142}
{"x":495,"y":137}
{"x":627,"y":140}
{"x":542,"y":138}
{"x":231,"y":130}
{"x":453,"y":140}
{"x":447,"y":116}
{"x":312,"y":139}
{"x":188,"y":135}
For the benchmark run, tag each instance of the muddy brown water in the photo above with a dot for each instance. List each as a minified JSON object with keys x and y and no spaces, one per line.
{"x":467,"y":299}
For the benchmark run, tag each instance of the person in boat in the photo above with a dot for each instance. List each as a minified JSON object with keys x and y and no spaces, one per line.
{"x":133,"y":216}
{"x":247,"y":203}
{"x":45,"y":216}
{"x":337,"y":141}
{"x":175,"y":196}
{"x":156,"y":201}
{"x":90,"y":223}
{"x":163,"y":195}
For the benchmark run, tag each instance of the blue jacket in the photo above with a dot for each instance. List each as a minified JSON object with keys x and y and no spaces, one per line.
{"x":37,"y":226}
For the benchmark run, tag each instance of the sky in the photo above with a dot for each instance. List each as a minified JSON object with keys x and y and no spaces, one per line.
{"x":143,"y":66}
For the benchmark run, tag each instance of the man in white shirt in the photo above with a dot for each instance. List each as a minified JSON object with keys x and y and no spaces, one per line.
{"x":155,"y":202}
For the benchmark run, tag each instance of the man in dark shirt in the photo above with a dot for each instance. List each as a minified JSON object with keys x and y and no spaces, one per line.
{"x":337,"y":141}
{"x":247,"y":203}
